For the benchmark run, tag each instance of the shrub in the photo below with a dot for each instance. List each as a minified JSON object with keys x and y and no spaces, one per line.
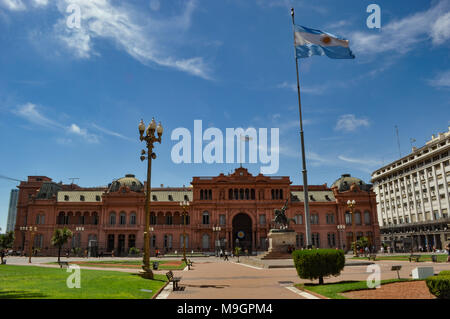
{"x":444,"y":273}
{"x":133,"y":251}
{"x":318,"y":263}
{"x":439,"y":286}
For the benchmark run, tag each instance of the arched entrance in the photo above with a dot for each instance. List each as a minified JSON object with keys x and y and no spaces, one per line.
{"x":242,"y":230}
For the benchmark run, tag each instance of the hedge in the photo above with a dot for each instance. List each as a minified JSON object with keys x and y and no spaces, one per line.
{"x":318,"y":263}
{"x":439,"y":285}
{"x":444,"y":273}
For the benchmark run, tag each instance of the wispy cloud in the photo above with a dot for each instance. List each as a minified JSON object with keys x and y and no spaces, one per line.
{"x":142,"y":37}
{"x":442,"y":80}
{"x":349,"y":123}
{"x":361,"y":161}
{"x":402,"y":35}
{"x":112,"y":133}
{"x":32,"y":114}
{"x":303,"y":89}
{"x":13,"y":5}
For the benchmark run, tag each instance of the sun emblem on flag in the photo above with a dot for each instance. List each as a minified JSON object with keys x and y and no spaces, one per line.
{"x":240,"y":234}
{"x":326,"y":39}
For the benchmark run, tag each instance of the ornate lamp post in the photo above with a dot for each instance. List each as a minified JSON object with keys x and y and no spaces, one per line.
{"x":32,"y":230}
{"x":351,"y":205}
{"x":341,"y":229}
{"x":149,"y":137}
{"x":184,"y":205}
{"x":217,"y":229}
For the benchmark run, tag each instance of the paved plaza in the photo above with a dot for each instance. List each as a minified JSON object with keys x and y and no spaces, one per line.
{"x":214,"y":278}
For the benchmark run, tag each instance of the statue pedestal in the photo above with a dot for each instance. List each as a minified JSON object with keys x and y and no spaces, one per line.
{"x":279,"y":243}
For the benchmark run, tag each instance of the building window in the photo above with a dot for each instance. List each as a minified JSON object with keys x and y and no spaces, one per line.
{"x":299,"y":240}
{"x":331,"y":240}
{"x":182,"y":239}
{"x":82,"y":198}
{"x":262,"y":219}
{"x":330,"y":219}
{"x":112,"y":218}
{"x":205,"y":241}
{"x":97,"y":198}
{"x":222,"y":219}
{"x":153,"y":241}
{"x":315,"y":240}
{"x":357,"y":218}
{"x":66,"y":198}
{"x":168,"y":241}
{"x":367,"y":220}
{"x":314,"y":219}
{"x":169,"y":219}
{"x":348,"y":218}
{"x":298,"y":219}
{"x":133,"y":219}
{"x":152,"y":218}
{"x":123,"y":218}
{"x":205,"y":218}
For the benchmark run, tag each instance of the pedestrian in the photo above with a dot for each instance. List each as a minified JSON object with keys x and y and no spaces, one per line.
{"x":382,"y":250}
{"x":221,"y":253}
{"x":2,"y":255}
{"x":226,"y":256}
{"x":367,"y":251}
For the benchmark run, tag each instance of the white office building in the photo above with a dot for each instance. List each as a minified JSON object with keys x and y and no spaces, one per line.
{"x":12,"y":211}
{"x":413,"y":197}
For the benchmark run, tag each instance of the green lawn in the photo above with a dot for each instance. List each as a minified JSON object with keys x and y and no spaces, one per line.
{"x":32,"y":282}
{"x":123,"y":263}
{"x":334,"y":290}
{"x":440,"y":258}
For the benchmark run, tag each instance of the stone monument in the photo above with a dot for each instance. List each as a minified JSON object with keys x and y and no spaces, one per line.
{"x":281,"y":239}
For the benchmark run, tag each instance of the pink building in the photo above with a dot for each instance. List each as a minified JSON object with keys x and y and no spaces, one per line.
{"x":240,"y":205}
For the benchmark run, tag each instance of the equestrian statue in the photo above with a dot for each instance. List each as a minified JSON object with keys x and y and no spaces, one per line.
{"x":281,"y":218}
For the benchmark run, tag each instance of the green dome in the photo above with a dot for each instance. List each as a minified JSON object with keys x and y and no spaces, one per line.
{"x":129,"y":181}
{"x":346,"y":180}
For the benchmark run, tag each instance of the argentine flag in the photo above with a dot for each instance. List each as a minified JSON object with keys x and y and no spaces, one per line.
{"x":310,"y":42}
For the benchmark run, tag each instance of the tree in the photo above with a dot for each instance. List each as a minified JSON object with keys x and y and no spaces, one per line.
{"x":318,"y":263}
{"x":7,"y":240}
{"x":60,"y":238}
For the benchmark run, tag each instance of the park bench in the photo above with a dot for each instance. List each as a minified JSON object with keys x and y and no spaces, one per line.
{"x":189,"y":264}
{"x":434,"y":258}
{"x":414,"y":257}
{"x":372,"y":256}
{"x":174,"y":280}
{"x":63,"y":263}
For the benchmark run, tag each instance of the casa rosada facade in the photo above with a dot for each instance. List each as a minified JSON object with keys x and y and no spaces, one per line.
{"x":224,"y":211}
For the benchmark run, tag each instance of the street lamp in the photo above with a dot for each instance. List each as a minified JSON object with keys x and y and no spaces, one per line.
{"x":351,"y":205}
{"x":184,"y":205}
{"x":32,"y":230}
{"x":149,"y":137}
{"x":341,"y":229}
{"x":217,"y":229}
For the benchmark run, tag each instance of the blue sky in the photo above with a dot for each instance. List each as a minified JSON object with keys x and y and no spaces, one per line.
{"x":71,"y":99}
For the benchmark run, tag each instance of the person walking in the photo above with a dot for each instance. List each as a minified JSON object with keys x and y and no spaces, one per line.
{"x":226,"y":256}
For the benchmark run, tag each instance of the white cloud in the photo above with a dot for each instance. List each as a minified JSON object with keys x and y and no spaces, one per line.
{"x":13,"y":5}
{"x":31,"y":113}
{"x":349,"y":123}
{"x":360,"y":161}
{"x":141,"y":36}
{"x":303,"y":88}
{"x":404,"y":34}
{"x":39,"y":3}
{"x":109,"y":132}
{"x":442,"y":80}
{"x":75,"y":129}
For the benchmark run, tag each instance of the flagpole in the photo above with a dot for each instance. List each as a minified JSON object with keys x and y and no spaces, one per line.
{"x":302,"y":139}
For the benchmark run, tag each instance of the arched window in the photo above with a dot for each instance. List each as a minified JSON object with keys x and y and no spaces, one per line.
{"x":210,"y":194}
{"x":247,"y":194}
{"x":230,"y":194}
{"x":133,"y":219}
{"x":205,"y":241}
{"x":153,"y":241}
{"x":299,"y":240}
{"x":112,"y":218}
{"x":95,"y":218}
{"x":367,"y":220}
{"x":152,"y":218}
{"x":357,"y":218}
{"x":123,"y":218}
{"x":348,"y":218}
{"x":205,"y":218}
{"x":60,"y":219}
{"x":201,"y":194}
{"x":273,"y":194}
{"x":131,"y":241}
{"x":252,"y":193}
{"x":168,"y":241}
{"x":169,"y":219}
{"x":241,"y":194}
{"x":236,"y":193}
{"x":281,"y":194}
{"x":38,"y":241}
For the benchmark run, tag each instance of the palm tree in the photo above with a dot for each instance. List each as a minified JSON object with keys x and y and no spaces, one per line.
{"x":60,"y":238}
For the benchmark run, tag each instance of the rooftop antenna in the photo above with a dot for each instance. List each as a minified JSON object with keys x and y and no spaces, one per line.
{"x":398,"y":141}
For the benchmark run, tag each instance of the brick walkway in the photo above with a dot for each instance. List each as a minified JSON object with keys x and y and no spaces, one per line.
{"x":398,"y":290}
